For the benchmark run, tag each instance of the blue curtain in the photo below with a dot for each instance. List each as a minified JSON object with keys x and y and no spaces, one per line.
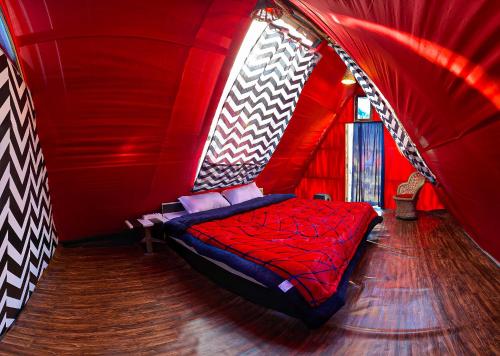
{"x":368,"y":163}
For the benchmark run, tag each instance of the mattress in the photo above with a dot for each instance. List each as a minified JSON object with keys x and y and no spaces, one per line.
{"x":220,"y":264}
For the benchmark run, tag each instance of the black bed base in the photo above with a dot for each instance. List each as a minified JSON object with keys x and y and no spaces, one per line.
{"x":291,"y":302}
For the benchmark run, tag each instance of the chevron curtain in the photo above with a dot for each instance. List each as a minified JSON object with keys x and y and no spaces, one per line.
{"x":27,"y":228}
{"x":387,"y":115}
{"x":256,"y":111}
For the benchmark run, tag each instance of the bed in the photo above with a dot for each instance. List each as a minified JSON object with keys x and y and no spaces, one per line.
{"x":288,"y":254}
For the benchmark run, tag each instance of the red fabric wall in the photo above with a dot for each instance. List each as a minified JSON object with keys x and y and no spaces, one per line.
{"x":123,"y":95}
{"x":438,"y":64}
{"x":124,"y":102}
{"x":322,"y":100}
{"x":326,"y":171}
{"x":397,"y":170}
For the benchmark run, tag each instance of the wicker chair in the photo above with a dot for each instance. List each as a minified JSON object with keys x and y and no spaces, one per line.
{"x":407,"y":195}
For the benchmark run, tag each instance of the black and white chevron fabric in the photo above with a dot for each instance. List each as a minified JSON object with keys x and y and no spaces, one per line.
{"x":28,"y":236}
{"x":257,"y":110}
{"x":387,"y":115}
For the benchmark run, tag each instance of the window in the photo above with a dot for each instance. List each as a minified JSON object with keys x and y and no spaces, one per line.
{"x":258,"y":100}
{"x":6,"y":40}
{"x":363,"y":109}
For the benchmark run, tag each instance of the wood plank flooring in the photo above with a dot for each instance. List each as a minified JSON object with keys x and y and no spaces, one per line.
{"x":424,"y":288}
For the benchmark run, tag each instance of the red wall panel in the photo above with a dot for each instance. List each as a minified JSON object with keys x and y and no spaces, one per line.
{"x":438,"y":64}
{"x":397,"y":170}
{"x":321,"y":102}
{"x":326,"y":171}
{"x":123,"y":96}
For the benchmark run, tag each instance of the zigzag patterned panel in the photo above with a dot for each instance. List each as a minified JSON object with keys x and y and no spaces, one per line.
{"x":387,"y":115}
{"x":28,"y":236}
{"x":257,"y":110}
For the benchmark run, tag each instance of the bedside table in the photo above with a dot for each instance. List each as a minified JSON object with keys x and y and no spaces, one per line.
{"x":147,"y":226}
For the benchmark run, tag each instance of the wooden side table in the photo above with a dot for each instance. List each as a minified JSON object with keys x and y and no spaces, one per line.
{"x":146,"y":225}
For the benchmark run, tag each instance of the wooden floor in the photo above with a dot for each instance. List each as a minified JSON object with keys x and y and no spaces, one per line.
{"x":423,"y":289}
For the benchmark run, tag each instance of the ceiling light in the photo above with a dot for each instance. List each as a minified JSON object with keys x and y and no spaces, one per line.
{"x":348,"y":78}
{"x":267,"y":11}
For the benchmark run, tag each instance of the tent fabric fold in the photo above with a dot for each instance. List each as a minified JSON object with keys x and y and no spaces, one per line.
{"x":437,"y":63}
{"x":125,"y":102}
{"x":387,"y":115}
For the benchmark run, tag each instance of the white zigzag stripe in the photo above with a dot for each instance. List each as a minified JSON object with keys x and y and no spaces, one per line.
{"x":260,"y":146}
{"x":388,"y":116}
{"x":250,"y":129}
{"x":257,"y":111}
{"x":26,"y":214}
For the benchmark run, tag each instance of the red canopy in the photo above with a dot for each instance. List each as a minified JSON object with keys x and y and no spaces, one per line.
{"x":438,"y":64}
{"x":125,"y":96}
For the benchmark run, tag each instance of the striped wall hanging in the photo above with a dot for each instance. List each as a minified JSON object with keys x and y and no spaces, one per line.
{"x":256,"y":111}
{"x":387,"y":115}
{"x":28,"y":236}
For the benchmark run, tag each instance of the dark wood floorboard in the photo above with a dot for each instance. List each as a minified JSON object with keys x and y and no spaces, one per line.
{"x":423,"y":289}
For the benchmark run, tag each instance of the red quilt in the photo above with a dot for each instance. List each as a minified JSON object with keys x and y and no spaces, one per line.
{"x":308,"y":242}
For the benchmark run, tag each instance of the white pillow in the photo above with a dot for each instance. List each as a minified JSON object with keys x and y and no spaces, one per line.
{"x":243,"y":193}
{"x":202,"y":202}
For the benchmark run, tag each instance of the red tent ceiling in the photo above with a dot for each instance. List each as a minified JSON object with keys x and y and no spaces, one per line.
{"x":438,"y":64}
{"x":322,"y":102}
{"x":124,"y":96}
